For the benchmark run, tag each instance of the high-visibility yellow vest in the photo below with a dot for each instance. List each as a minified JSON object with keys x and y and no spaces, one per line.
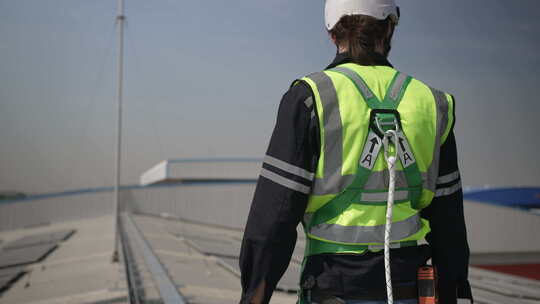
{"x":347,"y":204}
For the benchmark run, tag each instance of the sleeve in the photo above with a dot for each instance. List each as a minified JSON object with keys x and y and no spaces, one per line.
{"x":280,"y":197}
{"x":448,"y":236}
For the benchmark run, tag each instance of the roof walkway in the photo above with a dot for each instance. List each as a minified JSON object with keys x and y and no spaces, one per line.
{"x":169,"y":261}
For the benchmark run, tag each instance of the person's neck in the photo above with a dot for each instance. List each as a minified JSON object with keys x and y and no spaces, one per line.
{"x":342,"y":49}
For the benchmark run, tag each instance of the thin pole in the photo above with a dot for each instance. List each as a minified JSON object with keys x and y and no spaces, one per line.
{"x":120,"y":18}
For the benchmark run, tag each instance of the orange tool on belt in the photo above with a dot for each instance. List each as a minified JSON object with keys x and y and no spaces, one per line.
{"x":427,"y":285}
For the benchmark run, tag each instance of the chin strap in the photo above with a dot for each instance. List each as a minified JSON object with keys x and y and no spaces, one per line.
{"x":391,"y":162}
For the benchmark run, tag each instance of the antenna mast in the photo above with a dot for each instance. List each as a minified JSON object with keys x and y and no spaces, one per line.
{"x":120,"y":18}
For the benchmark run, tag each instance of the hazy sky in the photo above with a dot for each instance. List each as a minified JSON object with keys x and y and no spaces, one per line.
{"x":204,"y":79}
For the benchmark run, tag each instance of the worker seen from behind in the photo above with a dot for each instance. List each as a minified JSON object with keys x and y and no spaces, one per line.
{"x":328,"y":166}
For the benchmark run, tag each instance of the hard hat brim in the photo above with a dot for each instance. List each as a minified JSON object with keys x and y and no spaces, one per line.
{"x":378,"y":9}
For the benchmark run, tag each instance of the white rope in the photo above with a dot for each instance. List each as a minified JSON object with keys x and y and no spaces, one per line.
{"x":391,"y":162}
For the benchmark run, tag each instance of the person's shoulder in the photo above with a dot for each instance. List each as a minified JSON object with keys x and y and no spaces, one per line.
{"x":299,"y":94}
{"x":422,"y":86}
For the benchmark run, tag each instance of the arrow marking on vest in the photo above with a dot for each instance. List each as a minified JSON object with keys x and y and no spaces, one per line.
{"x":401,"y":140}
{"x":374,"y":142}
{"x":370,"y":152}
{"x":405,"y":153}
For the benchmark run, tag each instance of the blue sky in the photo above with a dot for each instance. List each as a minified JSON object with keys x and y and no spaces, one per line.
{"x":204,"y":79}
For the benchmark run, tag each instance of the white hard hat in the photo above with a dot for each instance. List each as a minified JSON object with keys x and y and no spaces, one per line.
{"x":379,"y":9}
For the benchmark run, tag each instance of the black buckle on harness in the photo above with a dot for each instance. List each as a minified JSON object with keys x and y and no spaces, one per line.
{"x":382,"y":120}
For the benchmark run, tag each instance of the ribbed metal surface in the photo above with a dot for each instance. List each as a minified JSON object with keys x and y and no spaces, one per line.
{"x":496,"y":229}
{"x":202,"y":169}
{"x":214,"y":204}
{"x":15,"y":215}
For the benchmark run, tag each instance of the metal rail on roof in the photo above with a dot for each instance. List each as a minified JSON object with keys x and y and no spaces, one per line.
{"x":134,"y":296}
{"x":167,"y":289}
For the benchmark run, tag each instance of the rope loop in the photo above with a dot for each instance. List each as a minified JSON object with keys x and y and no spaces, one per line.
{"x":390,"y":159}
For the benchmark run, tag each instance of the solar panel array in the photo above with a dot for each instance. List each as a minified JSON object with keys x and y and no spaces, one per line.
{"x":9,"y":275}
{"x":42,"y":238}
{"x":216,"y":247}
{"x":15,"y":255}
{"x":26,"y":255}
{"x":202,"y":278}
{"x":227,"y":250}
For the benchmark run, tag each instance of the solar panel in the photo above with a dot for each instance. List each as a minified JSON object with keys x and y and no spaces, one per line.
{"x":173,"y":245}
{"x":10,"y":271}
{"x":231,"y":264}
{"x":26,"y":255}
{"x":42,"y":238}
{"x":289,"y":281}
{"x":199,"y":232}
{"x":37,"y":224}
{"x":199,"y":236}
{"x":217,"y":247}
{"x":63,"y":235}
{"x":8,"y":276}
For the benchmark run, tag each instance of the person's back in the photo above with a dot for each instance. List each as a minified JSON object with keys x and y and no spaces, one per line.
{"x":325,"y":167}
{"x":350,"y":186}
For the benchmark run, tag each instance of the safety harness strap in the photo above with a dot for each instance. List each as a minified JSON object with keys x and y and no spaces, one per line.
{"x":396,"y":90}
{"x":410,"y":168}
{"x":341,"y":202}
{"x":391,"y":101}
{"x":393,"y":96}
{"x":370,"y":98}
{"x":353,"y":192}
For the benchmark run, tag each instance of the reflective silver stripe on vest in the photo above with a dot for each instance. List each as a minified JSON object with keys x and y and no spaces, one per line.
{"x":378,"y":247}
{"x":441,"y":104}
{"x":285,"y":182}
{"x":288,"y":167}
{"x":398,"y":86}
{"x":367,"y":234}
{"x":448,"y":190}
{"x":308,"y":102}
{"x":451,"y":177}
{"x":362,"y":86}
{"x":307,"y":218}
{"x":379,"y":180}
{"x":332,"y":182}
{"x":374,"y":197}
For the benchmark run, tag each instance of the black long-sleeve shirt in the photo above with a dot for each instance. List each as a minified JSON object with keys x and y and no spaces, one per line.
{"x":280,"y":201}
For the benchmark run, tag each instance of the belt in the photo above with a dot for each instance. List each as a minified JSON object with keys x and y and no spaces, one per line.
{"x":400,"y":293}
